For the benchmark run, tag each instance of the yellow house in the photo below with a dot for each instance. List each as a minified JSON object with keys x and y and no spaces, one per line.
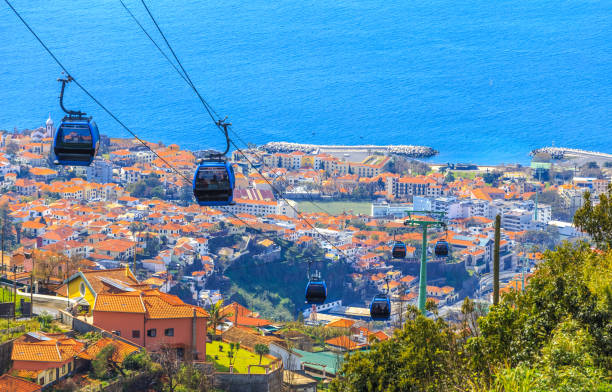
{"x":84,"y":286}
{"x":308,"y":161}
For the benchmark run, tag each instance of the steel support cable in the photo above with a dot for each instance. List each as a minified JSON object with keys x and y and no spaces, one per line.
{"x":206,"y":106}
{"x":119,"y":121}
{"x":208,"y":110}
{"x":87,"y":92}
{"x":153,"y":41}
{"x":185,"y":76}
{"x":292,"y":207}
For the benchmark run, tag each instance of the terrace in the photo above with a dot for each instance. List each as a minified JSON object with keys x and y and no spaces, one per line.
{"x":244,"y":361}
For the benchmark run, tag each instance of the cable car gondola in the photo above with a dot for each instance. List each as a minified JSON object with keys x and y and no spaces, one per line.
{"x":399,"y":250}
{"x":380,"y":308}
{"x":316,"y":292}
{"x":213,"y":182}
{"x":441,"y":249}
{"x":77,"y":138}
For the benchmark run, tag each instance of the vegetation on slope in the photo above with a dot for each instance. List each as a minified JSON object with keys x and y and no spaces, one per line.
{"x":276,"y":289}
{"x":554,"y":336}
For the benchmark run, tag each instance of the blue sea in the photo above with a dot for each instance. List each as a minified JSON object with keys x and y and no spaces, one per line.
{"x":480,"y":81}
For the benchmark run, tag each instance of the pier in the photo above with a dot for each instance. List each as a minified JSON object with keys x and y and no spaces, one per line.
{"x":404,"y":150}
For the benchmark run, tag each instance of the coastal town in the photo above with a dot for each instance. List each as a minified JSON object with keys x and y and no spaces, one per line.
{"x":117,"y":254}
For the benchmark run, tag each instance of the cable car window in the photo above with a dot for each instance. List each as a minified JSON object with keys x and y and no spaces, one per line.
{"x":75,"y":134}
{"x":380,"y":307}
{"x":212,"y":178}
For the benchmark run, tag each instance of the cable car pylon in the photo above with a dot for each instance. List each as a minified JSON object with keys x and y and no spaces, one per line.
{"x":424,"y":225}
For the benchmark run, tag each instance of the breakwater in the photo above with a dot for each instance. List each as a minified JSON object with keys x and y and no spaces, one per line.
{"x":566,"y":153}
{"x":404,"y":150}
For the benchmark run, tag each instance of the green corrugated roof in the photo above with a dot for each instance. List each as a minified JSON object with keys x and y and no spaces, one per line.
{"x":331,"y":361}
{"x":540,"y":165}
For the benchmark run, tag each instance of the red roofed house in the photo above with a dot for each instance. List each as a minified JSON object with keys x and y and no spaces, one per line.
{"x":153,"y":319}
{"x":14,"y":384}
{"x":44,"y":358}
{"x":118,"y":249}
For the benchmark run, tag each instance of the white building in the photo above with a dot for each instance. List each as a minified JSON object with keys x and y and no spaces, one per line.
{"x":383,"y":208}
{"x":517,"y":220}
{"x":264,"y":207}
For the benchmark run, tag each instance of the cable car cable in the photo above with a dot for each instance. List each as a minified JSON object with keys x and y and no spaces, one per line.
{"x":185,"y":76}
{"x":220,"y":123}
{"x":153,"y":41}
{"x":86,"y":91}
{"x":170,"y":166}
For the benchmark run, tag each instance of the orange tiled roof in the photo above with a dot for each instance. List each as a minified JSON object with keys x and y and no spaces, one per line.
{"x":344,"y":342}
{"x":129,"y":302}
{"x":341,"y":323}
{"x":14,"y":384}
{"x":60,"y":349}
{"x":153,"y":303}
{"x":123,"y":349}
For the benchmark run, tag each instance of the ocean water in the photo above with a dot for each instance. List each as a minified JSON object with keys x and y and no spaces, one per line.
{"x":480,"y":81}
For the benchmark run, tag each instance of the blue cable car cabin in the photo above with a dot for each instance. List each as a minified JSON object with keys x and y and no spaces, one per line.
{"x":213,"y":183}
{"x":399,"y":250}
{"x":380,"y":308}
{"x":316,"y":292}
{"x":441,"y":249}
{"x":76,"y":141}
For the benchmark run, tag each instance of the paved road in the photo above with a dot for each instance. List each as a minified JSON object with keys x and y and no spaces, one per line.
{"x":486,"y":281}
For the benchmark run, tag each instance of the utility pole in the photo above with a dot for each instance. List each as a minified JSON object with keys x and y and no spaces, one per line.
{"x":423,"y":224}
{"x":496,"y":260}
{"x":2,"y":243}
{"x":2,"y":252}
{"x":536,"y":198}
{"x":15,"y":291}
{"x":32,"y":288}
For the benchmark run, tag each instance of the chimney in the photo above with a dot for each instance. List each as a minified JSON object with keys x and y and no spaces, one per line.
{"x":235,"y":314}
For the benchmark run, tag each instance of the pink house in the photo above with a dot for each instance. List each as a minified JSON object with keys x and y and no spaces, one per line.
{"x":153,"y":319}
{"x":44,"y":358}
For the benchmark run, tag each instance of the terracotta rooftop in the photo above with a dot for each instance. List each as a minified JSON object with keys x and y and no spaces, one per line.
{"x":153,"y":303}
{"x":14,"y":384}
{"x":123,"y":349}
{"x":39,"y":347}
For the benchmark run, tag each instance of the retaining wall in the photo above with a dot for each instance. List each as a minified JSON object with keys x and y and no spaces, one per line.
{"x":6,"y":349}
{"x":232,"y":382}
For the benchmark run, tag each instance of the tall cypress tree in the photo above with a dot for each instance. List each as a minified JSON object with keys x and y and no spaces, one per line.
{"x":496,"y":260}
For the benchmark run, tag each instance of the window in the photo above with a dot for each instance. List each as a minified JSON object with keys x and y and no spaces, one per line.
{"x":41,"y":381}
{"x":82,"y":288}
{"x":63,"y":369}
{"x":152,"y":332}
{"x":69,"y":367}
{"x":135,"y":333}
{"x":169,"y":332}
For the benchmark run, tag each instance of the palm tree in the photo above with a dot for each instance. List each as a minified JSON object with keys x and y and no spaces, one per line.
{"x":216,"y":316}
{"x":261,"y":350}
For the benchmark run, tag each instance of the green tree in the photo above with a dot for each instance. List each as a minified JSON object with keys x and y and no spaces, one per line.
{"x":216,"y":316}
{"x":420,"y":357}
{"x":556,"y":202}
{"x":596,"y":220}
{"x":152,"y":246}
{"x":187,"y":193}
{"x":491,"y":177}
{"x":105,"y":365}
{"x":261,"y":350}
{"x":12,"y":148}
{"x":449,"y":177}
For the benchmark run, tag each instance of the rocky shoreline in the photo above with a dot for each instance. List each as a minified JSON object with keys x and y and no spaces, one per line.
{"x":562,"y":152}
{"x":404,"y":150}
